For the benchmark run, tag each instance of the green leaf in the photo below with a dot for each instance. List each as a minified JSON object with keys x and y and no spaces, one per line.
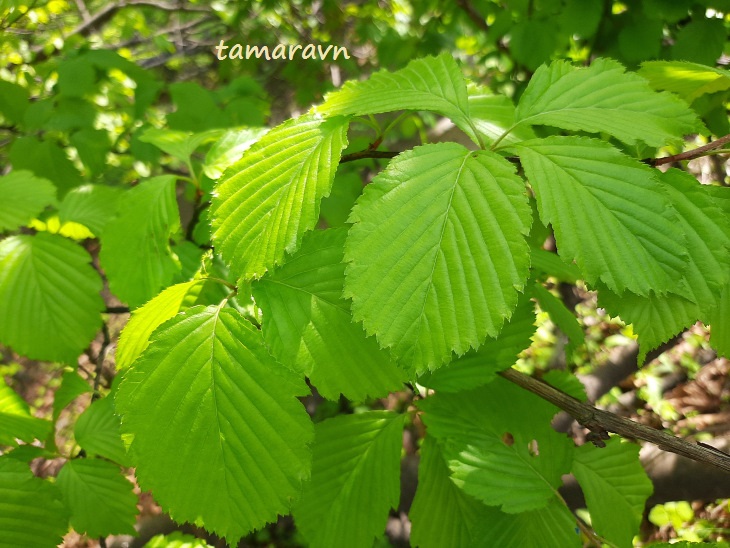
{"x":616,"y":488}
{"x":553,"y":525}
{"x":533,"y":41}
{"x":656,"y":318}
{"x":355,"y":479}
{"x":46,"y":159}
{"x":100,"y":499}
{"x":16,"y":422}
{"x":688,"y":80}
{"x":499,"y":444}
{"x":24,"y":196}
{"x":143,"y":321}
{"x":603,"y":98}
{"x":563,"y":318}
{"x":609,"y":213}
{"x":308,"y":327}
{"x":219,"y":435}
{"x":76,"y":77}
{"x":33,"y":514}
{"x":179,"y":144}
{"x":270,"y":198}
{"x":346,"y":189}
{"x":72,"y":386}
{"x":90,"y":205}
{"x":550,"y":264}
{"x":442,"y":514}
{"x":176,"y":540}
{"x":701,"y":40}
{"x":14,"y":101}
{"x":438,"y":252}
{"x":229,"y":148}
{"x":478,"y":367}
{"x":49,"y":297}
{"x":93,"y":145}
{"x":492,"y":115}
{"x":431,"y":83}
{"x":135,"y":249}
{"x":719,"y":319}
{"x":97,"y":431}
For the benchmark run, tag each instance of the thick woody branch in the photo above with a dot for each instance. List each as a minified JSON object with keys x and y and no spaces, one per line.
{"x":600,"y":423}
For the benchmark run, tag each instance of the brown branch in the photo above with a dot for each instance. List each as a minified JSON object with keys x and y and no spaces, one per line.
{"x":600,"y":423}
{"x":362,"y":154}
{"x":694,"y":153}
{"x":473,"y":14}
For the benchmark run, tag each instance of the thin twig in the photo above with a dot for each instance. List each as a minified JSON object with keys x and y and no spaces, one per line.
{"x":362,"y":154}
{"x":100,"y":361}
{"x":601,"y":422}
{"x":116,"y":310}
{"x":694,"y":153}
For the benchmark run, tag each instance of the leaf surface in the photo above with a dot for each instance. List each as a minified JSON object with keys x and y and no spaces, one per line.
{"x":24,"y":196}
{"x":228,"y":149}
{"x":499,"y":444}
{"x":32,"y":512}
{"x":99,"y":498}
{"x":135,"y":248}
{"x":603,"y":98}
{"x":609,"y":213}
{"x":97,"y":430}
{"x":355,"y":479}
{"x":265,"y":203}
{"x":49,"y":297}
{"x":218,"y":433}
{"x":16,"y":421}
{"x":437,"y":252}
{"x":688,"y":80}
{"x":430,"y":83}
{"x":308,"y":326}
{"x":616,"y":488}
{"x":90,"y":205}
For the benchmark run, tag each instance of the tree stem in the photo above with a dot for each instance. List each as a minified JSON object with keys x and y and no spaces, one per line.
{"x":692,"y":154}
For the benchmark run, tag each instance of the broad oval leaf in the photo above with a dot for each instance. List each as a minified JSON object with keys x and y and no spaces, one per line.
{"x":99,"y":498}
{"x":438,"y":253}
{"x":688,"y":80}
{"x":308,"y":326}
{"x":219,"y":435}
{"x":135,"y":248}
{"x":499,"y":444}
{"x":616,"y":488}
{"x":492,"y":115}
{"x":229,"y":148}
{"x":49,"y":297}
{"x":265,"y":203}
{"x":33,"y":514}
{"x":603,"y":98}
{"x":432,"y":83}
{"x":16,"y":421}
{"x":90,"y":205}
{"x":355,"y":479}
{"x":97,"y":430}
{"x":609,"y":212}
{"x":23,"y":197}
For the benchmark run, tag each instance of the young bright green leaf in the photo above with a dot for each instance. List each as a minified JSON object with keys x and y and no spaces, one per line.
{"x":307,"y":324}
{"x":431,"y":83}
{"x":270,"y":198}
{"x":478,"y":367}
{"x":437,"y":253}
{"x":219,"y":435}
{"x":99,"y":498}
{"x":229,"y":148}
{"x":616,"y":488}
{"x":24,"y":196}
{"x":355,"y":479}
{"x":72,"y":386}
{"x":562,"y":317}
{"x":143,"y":321}
{"x":553,"y":525}
{"x":97,"y":430}
{"x":603,"y":98}
{"x":442,"y":514}
{"x":179,"y":144}
{"x":90,"y":205}
{"x":499,"y":444}
{"x":16,"y":422}
{"x":49,"y":297}
{"x":492,"y":115}
{"x":688,"y":80}
{"x":32,"y":511}
{"x":609,"y":213}
{"x":176,"y":540}
{"x":135,"y":248}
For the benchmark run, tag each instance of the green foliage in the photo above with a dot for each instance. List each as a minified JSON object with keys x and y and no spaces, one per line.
{"x":253,"y":263}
